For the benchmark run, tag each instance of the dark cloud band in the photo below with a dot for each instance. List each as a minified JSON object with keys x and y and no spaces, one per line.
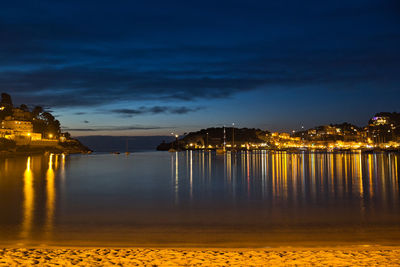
{"x":155,"y":110}
{"x":113,"y":128}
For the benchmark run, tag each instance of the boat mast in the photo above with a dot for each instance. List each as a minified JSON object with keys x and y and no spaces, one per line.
{"x":233,"y":136}
{"x":224,"y":140}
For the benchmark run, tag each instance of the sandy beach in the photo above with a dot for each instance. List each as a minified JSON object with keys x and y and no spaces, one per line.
{"x":334,"y":256}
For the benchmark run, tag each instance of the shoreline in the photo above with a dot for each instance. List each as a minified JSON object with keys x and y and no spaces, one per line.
{"x":5,"y":154}
{"x":68,"y":147}
{"x":8,"y":154}
{"x":295,"y":150}
{"x":155,"y":256}
{"x":292,"y":247}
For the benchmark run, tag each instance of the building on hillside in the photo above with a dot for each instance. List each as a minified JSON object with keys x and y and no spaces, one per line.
{"x":17,"y":126}
{"x":379,"y":120}
{"x":327,"y":130}
{"x":21,"y":115}
{"x":312,"y":132}
{"x":16,"y":129}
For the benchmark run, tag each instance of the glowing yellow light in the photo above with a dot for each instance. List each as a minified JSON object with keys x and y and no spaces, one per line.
{"x":51,"y":196}
{"x":28,"y":200}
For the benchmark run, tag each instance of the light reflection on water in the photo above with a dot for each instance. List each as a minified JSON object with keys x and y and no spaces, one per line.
{"x":50,"y":194}
{"x":296,"y":177}
{"x":28,"y":201}
{"x":147,"y":197}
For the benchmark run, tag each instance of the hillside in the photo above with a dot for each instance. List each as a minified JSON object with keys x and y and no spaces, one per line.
{"x":214,"y":138}
{"x":33,"y":130}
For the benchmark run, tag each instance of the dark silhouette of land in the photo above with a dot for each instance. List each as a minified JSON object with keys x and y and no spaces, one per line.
{"x":381,"y":133}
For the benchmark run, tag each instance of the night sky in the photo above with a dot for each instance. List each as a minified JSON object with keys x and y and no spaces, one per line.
{"x":156,"y":67}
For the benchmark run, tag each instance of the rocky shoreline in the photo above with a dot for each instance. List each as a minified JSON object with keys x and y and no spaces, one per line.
{"x":71,"y":147}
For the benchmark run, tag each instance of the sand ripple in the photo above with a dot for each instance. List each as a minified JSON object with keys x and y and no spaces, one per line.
{"x":199,"y":257}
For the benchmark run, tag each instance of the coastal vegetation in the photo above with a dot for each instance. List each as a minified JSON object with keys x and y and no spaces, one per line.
{"x":32,"y":130}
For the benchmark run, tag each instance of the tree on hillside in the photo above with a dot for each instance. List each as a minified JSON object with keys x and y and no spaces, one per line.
{"x":67,"y":135}
{"x":6,"y":100}
{"x":47,"y":117}
{"x":53,"y":128}
{"x":37,"y":111}
{"x":6,"y":104}
{"x":50,"y":125}
{"x":23,"y":107}
{"x":39,"y":126}
{"x":45,"y":123}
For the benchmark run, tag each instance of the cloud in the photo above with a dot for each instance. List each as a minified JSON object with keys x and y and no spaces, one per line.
{"x":83,"y":86}
{"x":59,"y":55}
{"x":155,"y":110}
{"x":92,"y":86}
{"x":113,"y":128}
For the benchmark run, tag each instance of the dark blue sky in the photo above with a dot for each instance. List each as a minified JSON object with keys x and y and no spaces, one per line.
{"x":155,"y":67}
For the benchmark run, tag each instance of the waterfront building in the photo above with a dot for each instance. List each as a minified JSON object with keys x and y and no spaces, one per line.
{"x":21,"y":115}
{"x":17,"y":125}
{"x":19,"y":131}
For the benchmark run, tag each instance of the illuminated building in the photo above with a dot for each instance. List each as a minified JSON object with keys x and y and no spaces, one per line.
{"x":380,"y":121}
{"x":19,"y":131}
{"x":17,"y":126}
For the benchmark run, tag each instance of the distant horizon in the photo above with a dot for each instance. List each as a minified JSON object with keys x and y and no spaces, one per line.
{"x":181,"y":132}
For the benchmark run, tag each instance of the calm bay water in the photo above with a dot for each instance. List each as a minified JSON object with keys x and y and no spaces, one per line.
{"x":200,"y":199}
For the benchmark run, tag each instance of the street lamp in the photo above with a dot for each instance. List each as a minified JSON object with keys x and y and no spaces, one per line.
{"x":176,"y":137}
